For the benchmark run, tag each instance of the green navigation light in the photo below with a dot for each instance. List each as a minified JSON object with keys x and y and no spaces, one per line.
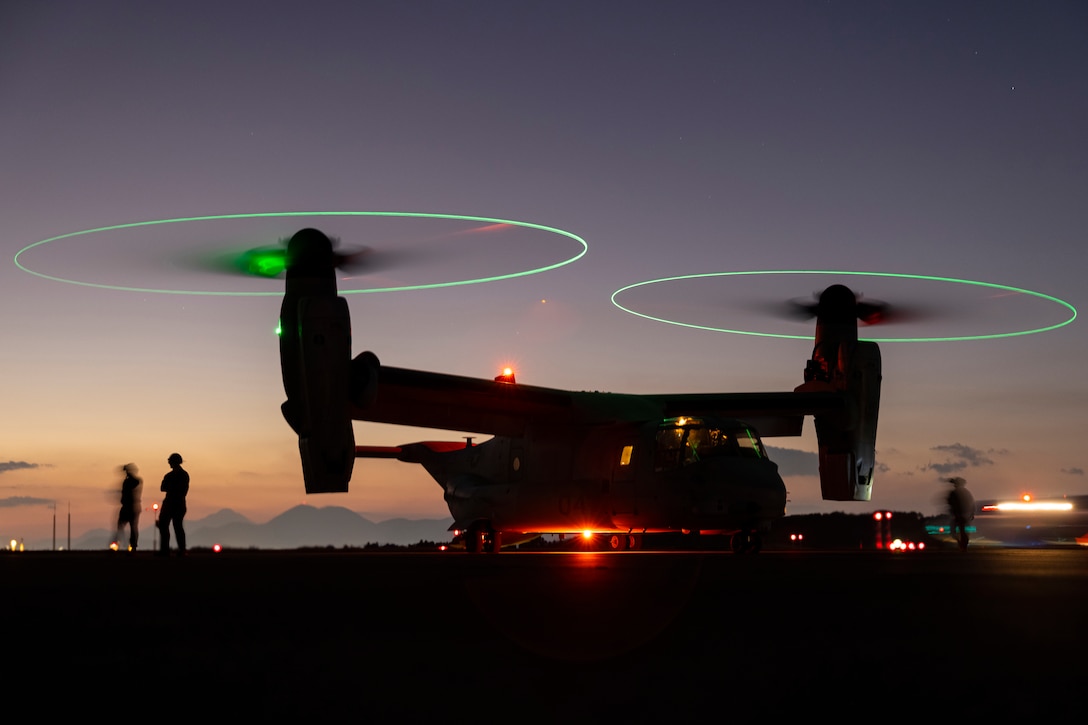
{"x":263,"y":262}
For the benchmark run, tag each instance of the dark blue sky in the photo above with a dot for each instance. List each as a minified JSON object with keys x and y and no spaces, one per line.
{"x":675,"y":138}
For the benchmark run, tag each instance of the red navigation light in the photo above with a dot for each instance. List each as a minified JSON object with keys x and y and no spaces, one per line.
{"x":507,"y":376}
{"x":217,"y":548}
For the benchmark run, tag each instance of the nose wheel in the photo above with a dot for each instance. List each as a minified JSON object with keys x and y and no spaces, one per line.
{"x":746,"y":542}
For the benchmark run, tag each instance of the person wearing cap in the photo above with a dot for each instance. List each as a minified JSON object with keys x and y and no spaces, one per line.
{"x":175,"y":484}
{"x":961,"y":506}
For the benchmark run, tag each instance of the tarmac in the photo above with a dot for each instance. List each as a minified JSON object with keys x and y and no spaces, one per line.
{"x":547,"y":636}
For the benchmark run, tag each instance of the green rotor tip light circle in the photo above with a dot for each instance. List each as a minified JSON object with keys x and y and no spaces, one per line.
{"x":415,"y":215}
{"x":1005,"y":288}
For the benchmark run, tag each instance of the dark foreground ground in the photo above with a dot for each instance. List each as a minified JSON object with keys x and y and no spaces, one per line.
{"x":547,"y":637}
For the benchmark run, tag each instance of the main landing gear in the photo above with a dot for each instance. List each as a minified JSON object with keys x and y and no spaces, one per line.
{"x":480,"y":537}
{"x":621,"y":542}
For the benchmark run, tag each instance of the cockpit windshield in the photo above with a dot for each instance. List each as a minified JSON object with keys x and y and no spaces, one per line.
{"x":684,"y":441}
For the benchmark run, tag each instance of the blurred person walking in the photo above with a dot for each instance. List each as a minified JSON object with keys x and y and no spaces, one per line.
{"x":129,"y":515}
{"x":961,"y":506}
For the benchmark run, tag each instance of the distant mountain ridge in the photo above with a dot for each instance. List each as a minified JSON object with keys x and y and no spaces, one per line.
{"x":300,"y":526}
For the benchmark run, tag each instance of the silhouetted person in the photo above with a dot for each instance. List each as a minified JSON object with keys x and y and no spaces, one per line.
{"x":176,"y":486}
{"x":130,"y":506}
{"x":961,"y":506}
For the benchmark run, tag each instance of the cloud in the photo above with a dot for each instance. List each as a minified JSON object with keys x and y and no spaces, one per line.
{"x":792,"y":462}
{"x":946,"y":467}
{"x":15,"y":466}
{"x":960,"y":457}
{"x":1073,"y":471}
{"x":14,"y":501}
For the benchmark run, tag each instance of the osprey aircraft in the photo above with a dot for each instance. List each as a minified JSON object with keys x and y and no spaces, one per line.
{"x":568,"y":462}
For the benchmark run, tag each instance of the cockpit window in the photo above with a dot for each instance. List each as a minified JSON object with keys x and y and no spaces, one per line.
{"x":750,"y":444}
{"x":684,"y":441}
{"x":669,"y":450}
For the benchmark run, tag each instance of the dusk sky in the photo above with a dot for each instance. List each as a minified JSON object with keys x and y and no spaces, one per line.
{"x":675,"y":138}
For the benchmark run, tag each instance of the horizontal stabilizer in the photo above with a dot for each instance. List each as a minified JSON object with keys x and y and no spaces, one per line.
{"x":377,"y":451}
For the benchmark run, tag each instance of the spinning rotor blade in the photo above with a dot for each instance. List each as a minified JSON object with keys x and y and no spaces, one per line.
{"x":839,"y":300}
{"x":271,"y":261}
{"x":367,"y":260}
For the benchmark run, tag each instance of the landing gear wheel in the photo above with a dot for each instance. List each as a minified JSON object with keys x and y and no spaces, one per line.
{"x":617,"y":542}
{"x":474,"y":539}
{"x":480,"y":537}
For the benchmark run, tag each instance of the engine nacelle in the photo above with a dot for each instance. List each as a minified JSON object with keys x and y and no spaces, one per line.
{"x":315,"y":358}
{"x":851,"y":368}
{"x":847,"y":440}
{"x":319,"y":410}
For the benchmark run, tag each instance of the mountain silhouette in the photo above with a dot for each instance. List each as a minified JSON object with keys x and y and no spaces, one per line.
{"x":300,"y":526}
{"x":221,"y":517}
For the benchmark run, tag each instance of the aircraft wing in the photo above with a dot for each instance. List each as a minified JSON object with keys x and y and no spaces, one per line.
{"x":452,"y":402}
{"x":772,"y":414}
